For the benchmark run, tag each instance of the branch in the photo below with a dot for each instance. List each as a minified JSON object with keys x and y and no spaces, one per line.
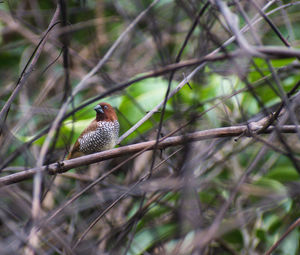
{"x":60,"y":167}
{"x":286,"y":233}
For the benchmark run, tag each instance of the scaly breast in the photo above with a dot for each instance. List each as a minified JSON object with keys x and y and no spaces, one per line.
{"x":103,"y":138}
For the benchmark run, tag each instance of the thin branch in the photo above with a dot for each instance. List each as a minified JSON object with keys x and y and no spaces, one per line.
{"x":233,"y":25}
{"x":289,"y":230}
{"x":269,"y":21}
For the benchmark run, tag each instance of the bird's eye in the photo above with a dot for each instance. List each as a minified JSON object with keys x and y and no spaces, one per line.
{"x":105,"y":107}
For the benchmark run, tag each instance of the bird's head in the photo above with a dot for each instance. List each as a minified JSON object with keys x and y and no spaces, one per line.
{"x":105,"y":112}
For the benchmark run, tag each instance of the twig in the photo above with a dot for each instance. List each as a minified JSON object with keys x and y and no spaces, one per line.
{"x":289,"y":230}
{"x":233,"y":25}
{"x":272,"y":25}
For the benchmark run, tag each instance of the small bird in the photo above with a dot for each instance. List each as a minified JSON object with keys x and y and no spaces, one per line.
{"x":102,"y":134}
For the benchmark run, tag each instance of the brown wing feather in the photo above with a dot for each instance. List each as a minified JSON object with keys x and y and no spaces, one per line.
{"x":75,"y":150}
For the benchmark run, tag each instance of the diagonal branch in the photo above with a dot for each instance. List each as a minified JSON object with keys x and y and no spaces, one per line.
{"x":294,"y":225}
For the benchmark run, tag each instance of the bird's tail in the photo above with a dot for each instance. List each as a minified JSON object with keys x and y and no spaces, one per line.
{"x":69,"y":156}
{"x":74,"y":154}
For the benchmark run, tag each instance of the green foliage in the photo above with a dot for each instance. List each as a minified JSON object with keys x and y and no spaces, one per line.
{"x":284,"y":173}
{"x":140,"y":98}
{"x":148,"y":237}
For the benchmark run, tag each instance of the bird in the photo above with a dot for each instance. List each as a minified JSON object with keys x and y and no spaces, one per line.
{"x":101,"y":134}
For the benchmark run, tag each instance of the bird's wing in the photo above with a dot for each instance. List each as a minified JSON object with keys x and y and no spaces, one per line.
{"x":75,"y":150}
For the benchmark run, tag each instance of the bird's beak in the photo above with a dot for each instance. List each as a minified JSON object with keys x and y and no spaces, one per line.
{"x":98,"y":109}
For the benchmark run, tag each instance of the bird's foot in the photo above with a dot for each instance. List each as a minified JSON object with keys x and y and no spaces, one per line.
{"x":58,"y":169}
{"x":59,"y":166}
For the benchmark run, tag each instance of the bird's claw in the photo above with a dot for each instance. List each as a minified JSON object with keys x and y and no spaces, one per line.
{"x":57,"y":169}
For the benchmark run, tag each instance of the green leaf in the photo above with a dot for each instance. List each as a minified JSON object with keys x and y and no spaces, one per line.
{"x":285,"y":173}
{"x":148,"y":237}
{"x":272,"y":185}
{"x":142,"y":97}
{"x":185,"y":244}
{"x":261,"y":234}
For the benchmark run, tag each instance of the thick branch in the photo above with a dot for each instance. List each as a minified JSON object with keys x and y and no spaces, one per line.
{"x":66,"y":165}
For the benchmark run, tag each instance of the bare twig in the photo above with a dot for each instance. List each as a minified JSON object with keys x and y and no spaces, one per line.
{"x":233,"y":25}
{"x":286,"y":233}
{"x":272,"y":25}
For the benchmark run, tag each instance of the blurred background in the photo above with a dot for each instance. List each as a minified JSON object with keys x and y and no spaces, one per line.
{"x":216,"y":196}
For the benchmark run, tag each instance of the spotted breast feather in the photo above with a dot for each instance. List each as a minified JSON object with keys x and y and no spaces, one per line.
{"x":102,"y":134}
